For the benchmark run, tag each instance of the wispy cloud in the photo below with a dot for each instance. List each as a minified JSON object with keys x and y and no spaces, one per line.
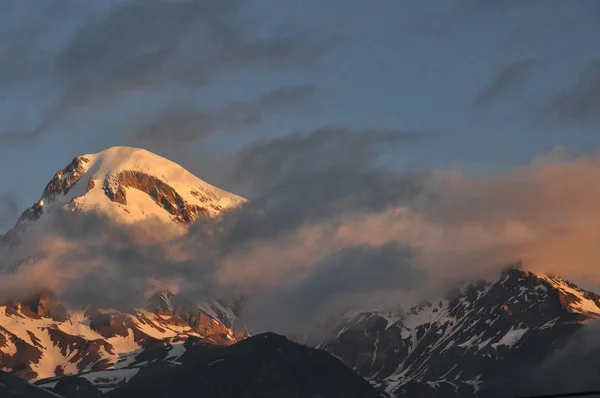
{"x":9,"y":210}
{"x":580,"y":103}
{"x":153,"y":46}
{"x":507,"y":83}
{"x":179,"y":123}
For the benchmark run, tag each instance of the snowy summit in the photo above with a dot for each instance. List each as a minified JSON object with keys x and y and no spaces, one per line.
{"x":129,"y":185}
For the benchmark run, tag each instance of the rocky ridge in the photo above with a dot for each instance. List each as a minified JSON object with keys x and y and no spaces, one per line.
{"x":468,"y":343}
{"x":40,"y":338}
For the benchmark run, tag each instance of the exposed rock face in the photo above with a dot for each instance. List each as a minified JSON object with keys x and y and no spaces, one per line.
{"x":65,"y":179}
{"x":42,"y":305}
{"x":475,"y":341}
{"x":91,"y":184}
{"x":162,"y":193}
{"x":17,"y":356}
{"x":48,"y":306}
{"x":62,"y":182}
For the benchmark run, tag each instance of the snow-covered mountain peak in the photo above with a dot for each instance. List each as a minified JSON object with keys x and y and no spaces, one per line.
{"x":142,"y":184}
{"x":116,"y":160}
{"x":129,"y":185}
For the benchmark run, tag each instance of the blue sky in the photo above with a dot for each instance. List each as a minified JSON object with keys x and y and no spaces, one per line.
{"x":498,"y":83}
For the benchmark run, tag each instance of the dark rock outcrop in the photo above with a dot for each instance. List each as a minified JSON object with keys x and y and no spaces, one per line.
{"x":64,"y":180}
{"x":266,"y":365}
{"x":13,"y":387}
{"x":76,"y":387}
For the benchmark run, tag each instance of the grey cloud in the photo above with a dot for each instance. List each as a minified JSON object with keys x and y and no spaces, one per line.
{"x":129,"y":48}
{"x":507,"y":82}
{"x":332,"y":149}
{"x":20,"y":136}
{"x":9,"y":210}
{"x":177,"y":125}
{"x":17,"y":61}
{"x":150,"y":46}
{"x":316,"y":176}
{"x":319,"y":198}
{"x":305,"y":179}
{"x":574,"y":368}
{"x":88,"y":258}
{"x":581,"y":103}
{"x":23,"y":57}
{"x":343,"y":281}
{"x":357,"y":270}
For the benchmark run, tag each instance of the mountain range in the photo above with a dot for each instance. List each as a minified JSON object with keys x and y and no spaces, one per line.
{"x":486,"y":338}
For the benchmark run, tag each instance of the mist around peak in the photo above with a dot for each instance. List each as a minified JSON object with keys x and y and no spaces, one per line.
{"x":303,"y":248}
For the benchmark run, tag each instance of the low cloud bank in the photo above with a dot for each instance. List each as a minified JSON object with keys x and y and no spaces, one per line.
{"x":334,"y":232}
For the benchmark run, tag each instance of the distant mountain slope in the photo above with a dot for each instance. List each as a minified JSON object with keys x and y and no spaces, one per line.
{"x":482,"y":337}
{"x":13,"y":387}
{"x":265,"y":365}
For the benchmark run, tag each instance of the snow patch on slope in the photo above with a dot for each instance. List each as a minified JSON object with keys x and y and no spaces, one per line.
{"x":511,"y":337}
